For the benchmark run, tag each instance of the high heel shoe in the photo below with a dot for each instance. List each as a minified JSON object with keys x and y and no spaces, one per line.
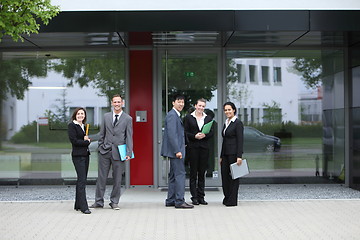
{"x":87,"y":211}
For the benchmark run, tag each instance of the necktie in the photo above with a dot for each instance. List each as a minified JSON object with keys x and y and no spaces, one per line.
{"x":116,"y":119}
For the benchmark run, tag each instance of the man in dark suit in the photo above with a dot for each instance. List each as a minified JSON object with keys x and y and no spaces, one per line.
{"x":197,"y":150}
{"x":173,"y":147}
{"x":116,"y":129}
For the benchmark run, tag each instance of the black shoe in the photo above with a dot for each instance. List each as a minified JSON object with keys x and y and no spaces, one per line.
{"x":230,"y":205}
{"x":87,"y":211}
{"x":114,"y":206}
{"x":169,"y":204}
{"x":184,"y":206}
{"x":195,"y":202}
{"x":203,"y":202}
{"x":95,"y":205}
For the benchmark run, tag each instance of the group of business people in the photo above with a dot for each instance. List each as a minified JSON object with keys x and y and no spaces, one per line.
{"x":179,"y":136}
{"x":116,"y":129}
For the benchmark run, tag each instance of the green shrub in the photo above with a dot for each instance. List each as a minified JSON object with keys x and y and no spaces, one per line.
{"x":27,"y":134}
{"x":290,"y":129}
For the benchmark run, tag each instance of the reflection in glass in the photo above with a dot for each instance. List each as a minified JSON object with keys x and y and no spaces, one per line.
{"x":194,"y":76}
{"x":293,"y":125}
{"x":355,"y":131}
{"x":38,"y":96}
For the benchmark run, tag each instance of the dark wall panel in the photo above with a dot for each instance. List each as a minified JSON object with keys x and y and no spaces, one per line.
{"x":141,"y":21}
{"x":277,"y":20}
{"x":335,"y":20}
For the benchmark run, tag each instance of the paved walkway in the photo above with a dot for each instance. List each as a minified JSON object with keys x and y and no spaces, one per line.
{"x":143,"y":216}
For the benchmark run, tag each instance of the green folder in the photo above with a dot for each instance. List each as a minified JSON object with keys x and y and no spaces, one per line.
{"x":122,"y":151}
{"x":207,"y":127}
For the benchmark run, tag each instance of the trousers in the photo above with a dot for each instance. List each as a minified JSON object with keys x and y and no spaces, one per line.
{"x":81,"y":166}
{"x":230,"y":186}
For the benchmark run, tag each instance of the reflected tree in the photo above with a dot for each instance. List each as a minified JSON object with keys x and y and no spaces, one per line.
{"x":272,"y":113}
{"x":241,"y":95}
{"x":61,"y":108}
{"x":310,"y":70}
{"x":193,"y":77}
{"x":237,"y":92}
{"x":105,"y":73}
{"x":15,"y":75}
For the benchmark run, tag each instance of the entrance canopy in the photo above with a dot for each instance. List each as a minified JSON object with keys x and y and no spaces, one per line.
{"x":208,"y":28}
{"x":145,"y":5}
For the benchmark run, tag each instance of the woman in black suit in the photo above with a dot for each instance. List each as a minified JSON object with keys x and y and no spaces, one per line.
{"x":197,"y":150}
{"x":80,"y":157}
{"x":231,"y":152}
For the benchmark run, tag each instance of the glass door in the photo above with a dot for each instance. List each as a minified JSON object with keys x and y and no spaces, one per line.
{"x":195,"y":75}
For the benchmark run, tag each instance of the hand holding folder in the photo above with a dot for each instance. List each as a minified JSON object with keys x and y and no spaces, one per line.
{"x":122,"y":151}
{"x":239,"y":171}
{"x":207,"y":127}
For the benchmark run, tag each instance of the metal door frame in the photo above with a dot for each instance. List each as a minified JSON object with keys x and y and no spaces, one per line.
{"x":158,"y":118}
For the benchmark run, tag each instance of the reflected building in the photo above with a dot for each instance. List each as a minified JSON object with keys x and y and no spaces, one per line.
{"x":311,"y":106}
{"x":260,"y":84}
{"x":219,"y":54}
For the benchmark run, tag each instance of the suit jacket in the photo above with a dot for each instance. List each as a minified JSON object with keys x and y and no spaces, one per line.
{"x":233,"y":139}
{"x":112,"y":136}
{"x":191,"y":129}
{"x":76,"y":136}
{"x":174,"y":137}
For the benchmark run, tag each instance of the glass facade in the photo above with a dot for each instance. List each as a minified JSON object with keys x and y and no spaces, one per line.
{"x":291,"y":103}
{"x":39,"y":93}
{"x":355,"y":129}
{"x":293,"y":115}
{"x":195,"y":76}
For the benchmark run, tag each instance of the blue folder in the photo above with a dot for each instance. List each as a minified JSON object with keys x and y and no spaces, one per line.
{"x":122,"y":151}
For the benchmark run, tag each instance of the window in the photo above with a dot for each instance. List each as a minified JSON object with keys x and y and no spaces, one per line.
{"x":66,"y":81}
{"x":11,"y":119}
{"x":90,"y":113}
{"x":265,"y":74}
{"x":253,"y":73}
{"x":272,"y":115}
{"x":255,"y":115}
{"x":277,"y":75}
{"x":243,"y":114}
{"x":241,"y":73}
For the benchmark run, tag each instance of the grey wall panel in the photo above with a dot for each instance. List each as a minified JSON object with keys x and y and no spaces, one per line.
{"x":335,"y":20}
{"x":276,"y":20}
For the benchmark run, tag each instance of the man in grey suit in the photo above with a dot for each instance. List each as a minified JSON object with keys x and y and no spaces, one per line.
{"x":116,"y":129}
{"x":173,"y":147}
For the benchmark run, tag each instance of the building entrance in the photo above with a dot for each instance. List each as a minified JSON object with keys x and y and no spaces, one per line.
{"x":195,"y":75}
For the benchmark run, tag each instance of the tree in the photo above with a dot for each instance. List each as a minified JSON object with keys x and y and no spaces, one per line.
{"x":15,"y":78}
{"x":241,"y":94}
{"x":272,"y":113}
{"x":106,"y":73}
{"x":19,"y":17}
{"x":61,"y":108}
{"x":193,"y":77}
{"x":310,"y":70}
{"x":15,"y":75}
{"x":237,"y":91}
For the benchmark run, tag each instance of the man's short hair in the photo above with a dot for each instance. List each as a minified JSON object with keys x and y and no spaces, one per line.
{"x":178,"y":97}
{"x":116,"y":95}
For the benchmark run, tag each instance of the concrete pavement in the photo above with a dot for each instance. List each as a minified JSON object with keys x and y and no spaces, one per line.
{"x":142,"y":215}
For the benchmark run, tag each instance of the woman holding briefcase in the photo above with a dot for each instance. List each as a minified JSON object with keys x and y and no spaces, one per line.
{"x":231,"y":152}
